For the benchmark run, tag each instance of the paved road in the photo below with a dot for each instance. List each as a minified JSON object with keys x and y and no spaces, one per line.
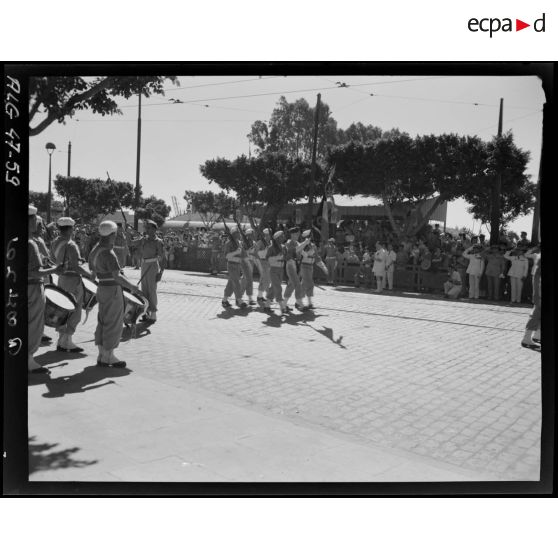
{"x":431,"y":379}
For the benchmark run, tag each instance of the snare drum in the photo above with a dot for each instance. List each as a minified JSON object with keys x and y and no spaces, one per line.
{"x":89,"y":293}
{"x":59,"y":305}
{"x":134,"y":306}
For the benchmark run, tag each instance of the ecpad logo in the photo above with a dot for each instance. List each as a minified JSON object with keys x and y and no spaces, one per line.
{"x":494,"y":24}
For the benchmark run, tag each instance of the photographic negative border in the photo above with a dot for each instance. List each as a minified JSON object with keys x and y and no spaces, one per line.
{"x":16,"y":197}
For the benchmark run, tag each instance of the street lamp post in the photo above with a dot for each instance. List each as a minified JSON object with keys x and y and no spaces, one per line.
{"x":50,"y":147}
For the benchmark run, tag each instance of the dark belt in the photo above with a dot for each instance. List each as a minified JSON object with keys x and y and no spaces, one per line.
{"x":35,"y":281}
{"x":107,"y":283}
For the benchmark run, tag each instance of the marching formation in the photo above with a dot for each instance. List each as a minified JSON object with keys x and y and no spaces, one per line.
{"x":273,"y":255}
{"x":61,"y":304}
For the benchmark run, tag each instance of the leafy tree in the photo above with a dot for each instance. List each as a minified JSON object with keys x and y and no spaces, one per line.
{"x":55,"y":98}
{"x":359,"y":132}
{"x":210,"y":206}
{"x":290,"y":130}
{"x":398,"y":168}
{"x":88,"y":198}
{"x":518,"y":192}
{"x":153,"y":208}
{"x":40,"y":201}
{"x":272,"y":180}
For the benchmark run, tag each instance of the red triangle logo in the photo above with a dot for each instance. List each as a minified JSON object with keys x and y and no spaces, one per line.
{"x":519,"y":25}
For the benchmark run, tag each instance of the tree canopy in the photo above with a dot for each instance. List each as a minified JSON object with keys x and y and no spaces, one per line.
{"x":153,"y":208}
{"x":40,"y":201}
{"x":272,"y":180}
{"x":290,"y":130}
{"x":87,"y":198}
{"x":518,"y":192}
{"x":211,"y":206}
{"x":398,"y":168}
{"x":55,"y":98}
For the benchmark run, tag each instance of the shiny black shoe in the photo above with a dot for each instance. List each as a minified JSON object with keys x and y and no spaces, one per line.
{"x":252,"y":303}
{"x":226,"y":304}
{"x":41,"y":370}
{"x":533,"y":346}
{"x":299,"y":307}
{"x":241,"y":304}
{"x":75,"y":350}
{"x":46,"y":339}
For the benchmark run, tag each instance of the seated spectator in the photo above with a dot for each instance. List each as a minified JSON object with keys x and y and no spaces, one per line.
{"x":453,"y":286}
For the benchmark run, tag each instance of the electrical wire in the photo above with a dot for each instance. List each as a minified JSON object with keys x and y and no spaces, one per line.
{"x":509,"y":120}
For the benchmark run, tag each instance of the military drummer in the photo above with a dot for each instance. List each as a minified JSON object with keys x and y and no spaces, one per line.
{"x":104,"y":266}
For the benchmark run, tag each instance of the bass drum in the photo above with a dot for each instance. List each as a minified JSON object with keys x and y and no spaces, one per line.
{"x":59,"y":305}
{"x":134,"y":306}
{"x":89,"y":293}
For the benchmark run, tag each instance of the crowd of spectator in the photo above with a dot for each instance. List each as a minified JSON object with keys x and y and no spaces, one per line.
{"x":372,"y":251}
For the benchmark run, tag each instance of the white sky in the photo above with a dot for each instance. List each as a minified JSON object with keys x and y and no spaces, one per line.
{"x":177,"y":138}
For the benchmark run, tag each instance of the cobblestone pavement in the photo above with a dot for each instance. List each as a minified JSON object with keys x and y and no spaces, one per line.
{"x":447,"y":380}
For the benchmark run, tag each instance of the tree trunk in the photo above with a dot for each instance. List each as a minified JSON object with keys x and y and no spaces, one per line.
{"x":389,"y":214}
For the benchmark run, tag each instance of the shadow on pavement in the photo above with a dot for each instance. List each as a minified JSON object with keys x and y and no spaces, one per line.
{"x":276,"y":320}
{"x":328,"y":332}
{"x":51,"y":357}
{"x":228,"y":313}
{"x":83,"y":381}
{"x":39,"y":460}
{"x":136,"y":331}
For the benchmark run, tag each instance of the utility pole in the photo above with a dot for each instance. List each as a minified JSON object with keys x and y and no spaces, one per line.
{"x":137,"y":189}
{"x":496,"y":191}
{"x":69,"y":167}
{"x":313,"y":171}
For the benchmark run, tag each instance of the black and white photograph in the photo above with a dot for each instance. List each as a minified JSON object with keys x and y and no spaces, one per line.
{"x":272,"y":274}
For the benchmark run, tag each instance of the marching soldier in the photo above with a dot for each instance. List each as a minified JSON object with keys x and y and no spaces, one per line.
{"x":120,"y":246}
{"x":234,"y":251}
{"x":66,"y":254}
{"x":247,"y":267}
{"x":104,"y":266}
{"x":35,"y":294}
{"x":309,"y":257}
{"x":293,"y":249}
{"x":265,"y":272}
{"x":275,"y":256}
{"x":152,"y":266}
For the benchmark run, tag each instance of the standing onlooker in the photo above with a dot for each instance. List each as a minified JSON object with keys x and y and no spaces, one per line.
{"x":517,"y":272}
{"x":331,"y":260}
{"x":523,"y":242}
{"x":474,"y":269}
{"x":391,"y":258}
{"x":494,"y":272}
{"x":379,"y":267}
